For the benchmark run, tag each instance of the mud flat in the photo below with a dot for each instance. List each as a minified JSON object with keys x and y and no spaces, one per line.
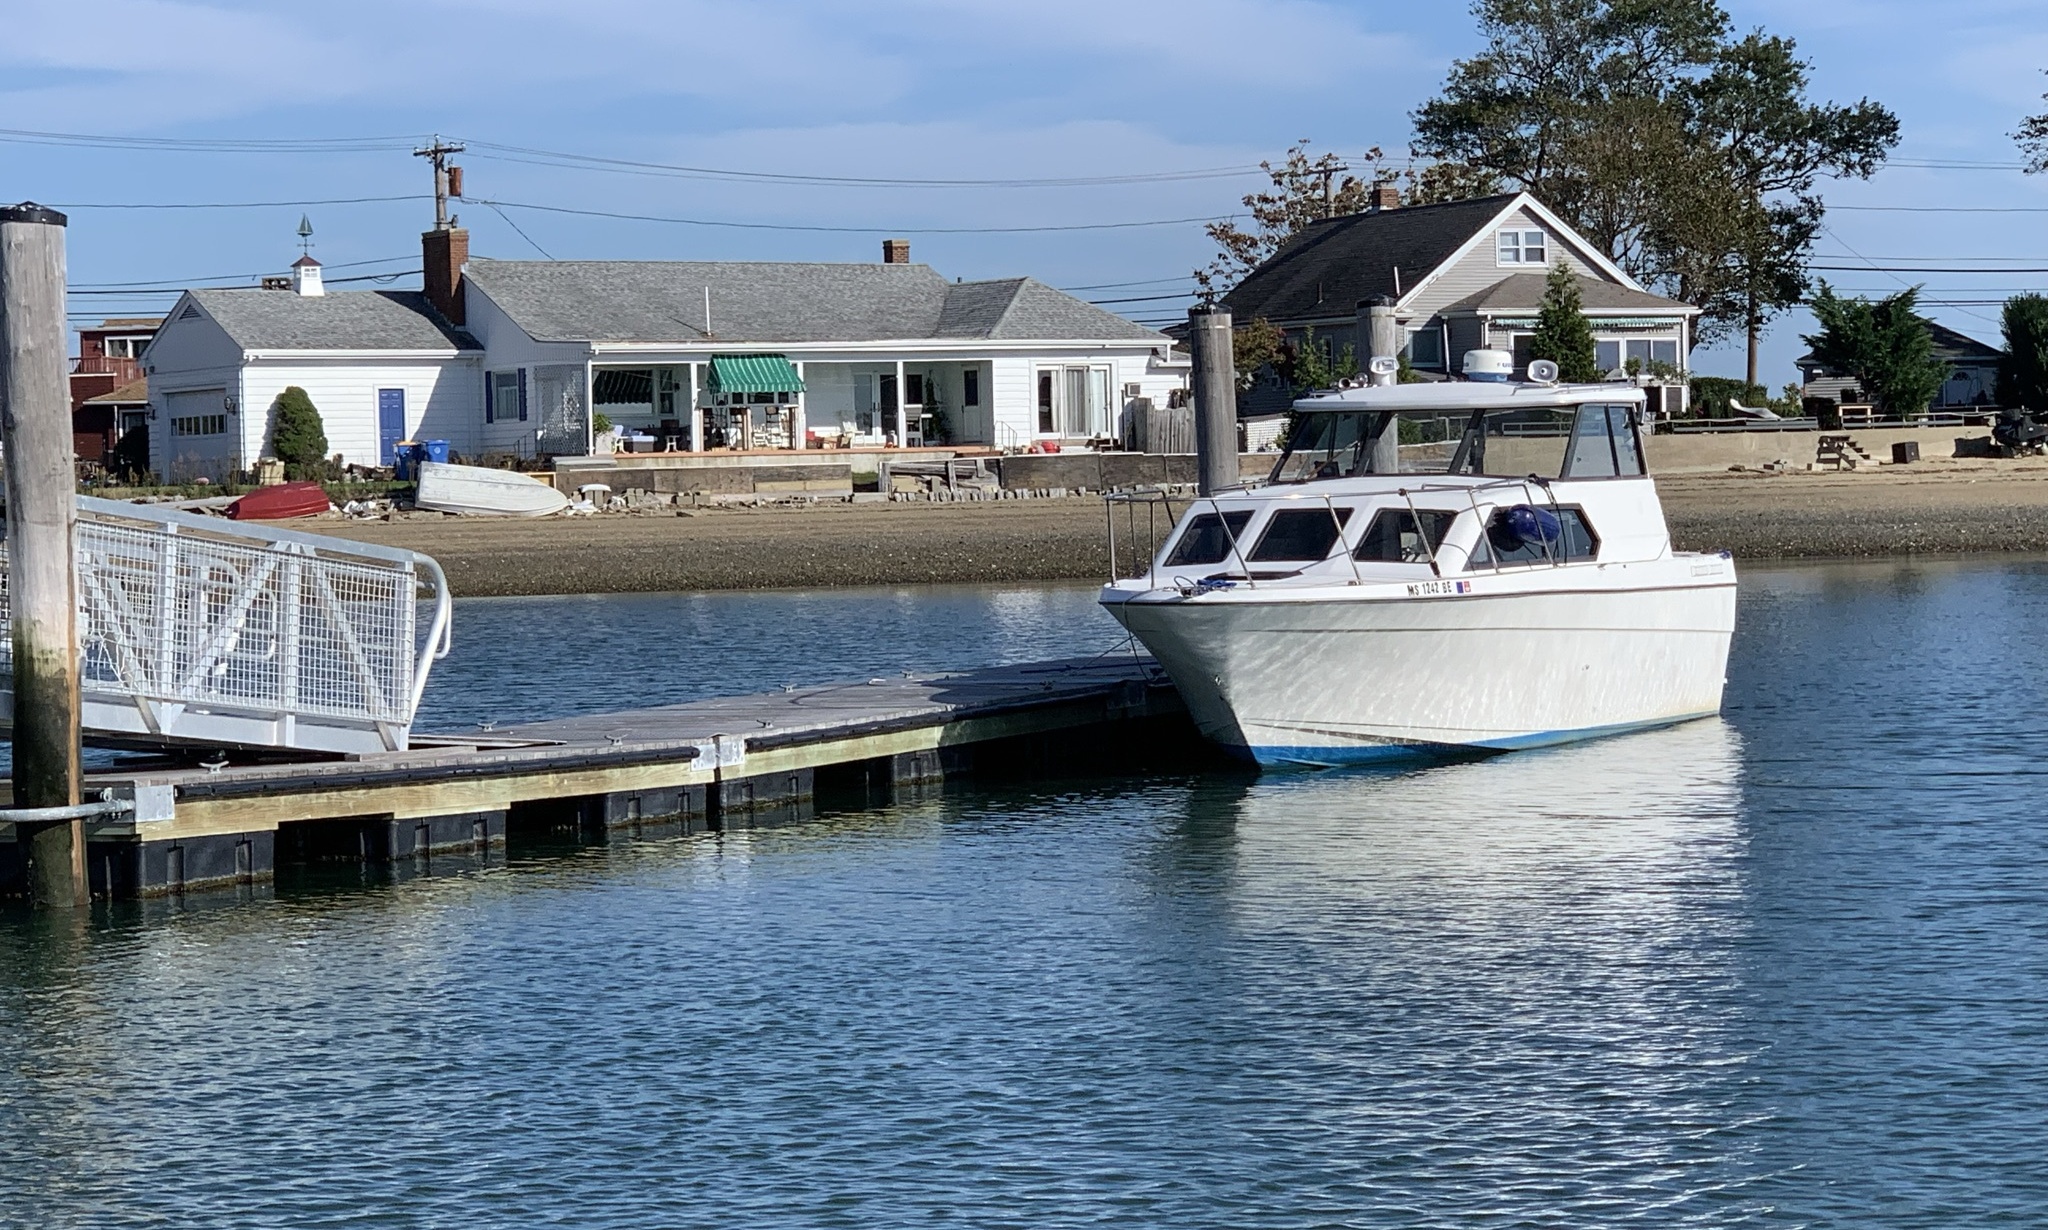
{"x":1937,"y":507}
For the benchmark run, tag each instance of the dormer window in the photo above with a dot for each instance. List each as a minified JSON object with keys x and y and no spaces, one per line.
{"x":1520,"y":247}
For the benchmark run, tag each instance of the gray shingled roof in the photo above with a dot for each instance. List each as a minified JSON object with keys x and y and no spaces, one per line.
{"x":771,"y":303}
{"x":1327,"y":268}
{"x":338,"y":320}
{"x":1523,"y":292}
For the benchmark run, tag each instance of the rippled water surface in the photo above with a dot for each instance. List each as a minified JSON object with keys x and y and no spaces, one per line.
{"x":1788,"y":968}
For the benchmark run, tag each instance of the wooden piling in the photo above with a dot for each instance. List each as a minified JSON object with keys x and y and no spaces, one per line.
{"x":1382,"y":336}
{"x":35,"y":420}
{"x":1216,"y":454}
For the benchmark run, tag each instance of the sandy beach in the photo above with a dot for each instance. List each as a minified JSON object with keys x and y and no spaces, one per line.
{"x":1931,"y":508}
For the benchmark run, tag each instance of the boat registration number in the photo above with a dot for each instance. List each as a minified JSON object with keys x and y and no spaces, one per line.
{"x":1434,"y":589}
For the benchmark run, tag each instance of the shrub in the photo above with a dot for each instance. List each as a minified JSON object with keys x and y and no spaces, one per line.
{"x":296,"y":434}
{"x":1710,"y":395}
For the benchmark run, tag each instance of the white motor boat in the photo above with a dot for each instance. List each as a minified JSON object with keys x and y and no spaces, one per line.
{"x":482,"y":491}
{"x":1334,"y":615}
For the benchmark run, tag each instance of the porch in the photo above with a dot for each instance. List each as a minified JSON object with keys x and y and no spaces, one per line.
{"x":750,"y":403}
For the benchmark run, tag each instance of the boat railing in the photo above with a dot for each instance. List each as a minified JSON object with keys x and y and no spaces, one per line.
{"x":199,"y":630}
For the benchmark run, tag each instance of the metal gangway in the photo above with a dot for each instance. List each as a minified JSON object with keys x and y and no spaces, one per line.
{"x":203,"y":632}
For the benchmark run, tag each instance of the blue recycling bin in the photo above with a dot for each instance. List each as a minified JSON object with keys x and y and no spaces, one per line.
{"x":405,"y":458}
{"x":435,"y":451}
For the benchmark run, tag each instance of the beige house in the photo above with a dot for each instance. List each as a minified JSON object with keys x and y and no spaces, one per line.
{"x":1463,"y":276}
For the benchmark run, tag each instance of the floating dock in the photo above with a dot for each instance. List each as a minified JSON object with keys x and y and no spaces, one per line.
{"x":704,"y":766}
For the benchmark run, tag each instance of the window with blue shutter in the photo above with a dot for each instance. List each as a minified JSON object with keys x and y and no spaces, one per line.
{"x":490,"y":379}
{"x":522,"y":395}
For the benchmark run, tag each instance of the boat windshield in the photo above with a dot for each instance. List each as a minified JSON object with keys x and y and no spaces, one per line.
{"x":1325,"y":445}
{"x":1591,"y":440}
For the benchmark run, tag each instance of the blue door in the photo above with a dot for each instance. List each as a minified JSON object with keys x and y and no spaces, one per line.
{"x":390,"y":424}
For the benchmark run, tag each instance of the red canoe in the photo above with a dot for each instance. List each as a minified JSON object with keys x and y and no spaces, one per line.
{"x":280,"y":503}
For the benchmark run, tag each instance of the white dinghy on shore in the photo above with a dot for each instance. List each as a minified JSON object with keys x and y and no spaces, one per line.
{"x":478,"y":491}
{"x":1335,"y":615}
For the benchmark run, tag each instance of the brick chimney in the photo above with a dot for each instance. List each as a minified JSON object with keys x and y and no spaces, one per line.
{"x":445,"y":253}
{"x":895,"y":251}
{"x":1385,"y":196}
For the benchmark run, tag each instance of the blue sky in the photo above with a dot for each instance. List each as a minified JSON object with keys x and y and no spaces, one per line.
{"x":902,"y":89}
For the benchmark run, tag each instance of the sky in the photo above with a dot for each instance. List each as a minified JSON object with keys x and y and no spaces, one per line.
{"x":1191,"y":93}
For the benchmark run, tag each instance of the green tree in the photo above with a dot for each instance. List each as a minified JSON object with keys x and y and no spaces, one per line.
{"x":2033,"y":139}
{"x":1689,"y":156}
{"x":296,"y":435}
{"x":1314,"y":368}
{"x":2023,"y":375}
{"x":1884,"y":346}
{"x":1253,"y":346}
{"x":1306,"y":189}
{"x":1563,"y":334}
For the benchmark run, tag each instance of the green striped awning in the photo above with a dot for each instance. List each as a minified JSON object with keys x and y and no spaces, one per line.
{"x":754,"y":373}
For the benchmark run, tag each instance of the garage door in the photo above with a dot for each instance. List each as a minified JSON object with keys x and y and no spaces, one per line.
{"x":199,"y":441}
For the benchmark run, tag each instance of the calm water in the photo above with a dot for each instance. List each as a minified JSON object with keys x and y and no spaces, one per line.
{"x":1790,"y":968}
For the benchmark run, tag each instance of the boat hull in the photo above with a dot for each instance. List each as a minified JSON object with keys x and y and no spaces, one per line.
{"x":478,"y":491}
{"x":1345,"y":678}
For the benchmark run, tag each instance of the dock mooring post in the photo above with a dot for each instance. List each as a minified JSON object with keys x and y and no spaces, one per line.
{"x":1381,"y":334}
{"x":35,"y":423}
{"x":1215,"y":399}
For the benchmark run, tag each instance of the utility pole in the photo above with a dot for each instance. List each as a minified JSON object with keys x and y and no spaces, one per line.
{"x":35,"y":423}
{"x":1328,"y":171}
{"x":447,"y":179}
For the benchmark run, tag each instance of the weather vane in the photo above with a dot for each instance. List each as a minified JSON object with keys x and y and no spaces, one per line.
{"x":305,"y":234}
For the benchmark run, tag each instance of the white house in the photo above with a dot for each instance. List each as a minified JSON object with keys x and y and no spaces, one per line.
{"x":518,"y":357}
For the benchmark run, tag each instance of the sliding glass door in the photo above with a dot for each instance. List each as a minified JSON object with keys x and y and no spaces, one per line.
{"x":1073,"y":402}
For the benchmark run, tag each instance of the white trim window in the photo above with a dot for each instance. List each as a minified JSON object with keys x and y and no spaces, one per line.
{"x":1519,"y":246}
{"x":1614,"y":353}
{"x":1072,"y":402}
{"x":1426,"y":347}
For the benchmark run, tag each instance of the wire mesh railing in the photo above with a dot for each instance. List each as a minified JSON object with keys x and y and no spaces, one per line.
{"x":196,"y":630}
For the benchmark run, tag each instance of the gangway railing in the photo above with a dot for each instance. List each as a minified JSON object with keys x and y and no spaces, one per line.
{"x":199,"y":631}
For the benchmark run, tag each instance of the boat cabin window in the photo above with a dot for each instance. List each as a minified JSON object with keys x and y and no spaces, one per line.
{"x":1208,"y":538}
{"x":1537,"y":534}
{"x":1602,"y":444}
{"x":1398,"y":536}
{"x":1301,"y":533}
{"x":1325,"y":444}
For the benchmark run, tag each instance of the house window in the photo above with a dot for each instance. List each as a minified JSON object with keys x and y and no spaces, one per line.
{"x":1614,"y":354}
{"x":970,"y":387}
{"x":200,"y":425}
{"x":503,"y":397}
{"x":1520,"y":247}
{"x":1073,"y":401}
{"x":124,"y":347}
{"x":1426,"y":348}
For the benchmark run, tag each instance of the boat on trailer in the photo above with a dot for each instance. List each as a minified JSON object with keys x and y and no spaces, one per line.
{"x":1336,"y":615}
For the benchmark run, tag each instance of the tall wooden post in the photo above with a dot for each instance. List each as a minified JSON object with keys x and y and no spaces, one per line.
{"x":1215,"y":399}
{"x":1382,"y":337}
{"x":35,"y":420}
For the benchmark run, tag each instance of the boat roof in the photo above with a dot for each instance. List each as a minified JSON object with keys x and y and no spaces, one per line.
{"x":1465,"y":396}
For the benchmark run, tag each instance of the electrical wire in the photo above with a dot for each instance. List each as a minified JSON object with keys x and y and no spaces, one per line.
{"x":179,"y":283}
{"x":223,"y":145}
{"x":846,"y":230}
{"x":345,"y":200}
{"x":555,"y":158}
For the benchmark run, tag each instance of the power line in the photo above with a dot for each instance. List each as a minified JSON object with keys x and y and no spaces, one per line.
{"x":175,"y":290}
{"x":175,"y":283}
{"x":847,"y":230}
{"x":345,"y":200}
{"x":221,"y":145}
{"x":1186,"y":294}
{"x":1944,"y":209}
{"x":556,"y":158}
{"x":1925,"y":269}
{"x":1127,"y":285}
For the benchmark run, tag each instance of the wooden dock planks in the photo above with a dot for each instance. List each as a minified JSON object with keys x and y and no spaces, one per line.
{"x":779,"y":738}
